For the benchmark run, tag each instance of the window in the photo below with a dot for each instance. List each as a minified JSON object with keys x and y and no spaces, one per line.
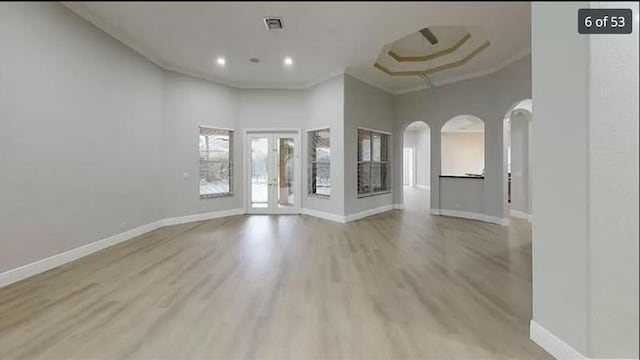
{"x":373,"y":163}
{"x":216,"y":162}
{"x":319,"y":154}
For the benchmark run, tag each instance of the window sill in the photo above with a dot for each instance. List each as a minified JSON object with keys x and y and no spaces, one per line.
{"x":215,"y":196}
{"x":373,"y":194}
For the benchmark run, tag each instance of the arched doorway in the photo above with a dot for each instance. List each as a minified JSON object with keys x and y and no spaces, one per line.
{"x":517,"y":156}
{"x":416,"y":165}
{"x":462,"y":146}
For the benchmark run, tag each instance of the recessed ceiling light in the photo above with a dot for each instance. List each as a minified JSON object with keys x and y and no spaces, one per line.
{"x":221,"y":61}
{"x":288,"y":61}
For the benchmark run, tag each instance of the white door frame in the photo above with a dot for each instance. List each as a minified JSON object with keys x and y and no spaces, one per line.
{"x":246,"y":199}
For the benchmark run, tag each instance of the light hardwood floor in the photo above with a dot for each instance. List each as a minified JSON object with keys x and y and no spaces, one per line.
{"x":398,"y":285}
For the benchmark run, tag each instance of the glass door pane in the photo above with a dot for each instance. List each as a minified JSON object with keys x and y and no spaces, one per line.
{"x":285,"y":164}
{"x":259,"y":172}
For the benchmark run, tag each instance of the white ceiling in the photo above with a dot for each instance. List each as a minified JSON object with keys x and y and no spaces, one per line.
{"x":323,"y":38}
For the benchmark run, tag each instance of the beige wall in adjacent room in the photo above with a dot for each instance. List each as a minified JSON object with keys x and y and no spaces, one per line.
{"x":462,"y":153}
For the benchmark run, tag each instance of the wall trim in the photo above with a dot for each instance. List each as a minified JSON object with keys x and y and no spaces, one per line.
{"x":200,"y":217}
{"x":46,"y":264}
{"x":496,"y":220}
{"x":26,"y":271}
{"x":398,"y":206}
{"x":471,"y":216}
{"x":323,"y":215}
{"x":368,"y":212}
{"x":553,"y":344}
{"x":520,"y":214}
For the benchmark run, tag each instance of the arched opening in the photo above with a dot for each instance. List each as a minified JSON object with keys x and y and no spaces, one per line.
{"x":416,"y":164}
{"x":517,"y":156}
{"x":462,"y":146}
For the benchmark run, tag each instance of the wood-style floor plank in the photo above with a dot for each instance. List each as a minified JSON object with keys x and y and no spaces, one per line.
{"x":399,"y":285}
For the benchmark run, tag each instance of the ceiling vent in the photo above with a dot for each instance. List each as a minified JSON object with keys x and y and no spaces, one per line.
{"x":273,"y":23}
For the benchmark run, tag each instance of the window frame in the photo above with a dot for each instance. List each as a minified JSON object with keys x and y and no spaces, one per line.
{"x":311,"y":163}
{"x":230,"y":134}
{"x":371,"y":162}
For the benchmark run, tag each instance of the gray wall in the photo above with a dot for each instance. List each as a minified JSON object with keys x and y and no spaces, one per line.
{"x":326,"y":109}
{"x":96,"y":140}
{"x":585,"y":184}
{"x":370,"y":107}
{"x":560,"y":163}
{"x":613,"y":193}
{"x":189,"y":103}
{"x":80,"y":134}
{"x":462,"y":194}
{"x":520,"y":162}
{"x":490,"y":98}
{"x":423,"y":157}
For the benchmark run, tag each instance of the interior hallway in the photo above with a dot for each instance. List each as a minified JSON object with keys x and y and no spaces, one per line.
{"x":402,"y":284}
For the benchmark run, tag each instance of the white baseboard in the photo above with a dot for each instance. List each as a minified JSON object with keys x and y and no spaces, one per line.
{"x":471,"y":215}
{"x":324,"y":215}
{"x":520,"y":215}
{"x":40,"y":266}
{"x":496,"y":220}
{"x":462,"y":214}
{"x":552,"y":344}
{"x":368,"y":212}
{"x":200,"y":217}
{"x":424,"y":187}
{"x":398,"y":206}
{"x":51,"y":262}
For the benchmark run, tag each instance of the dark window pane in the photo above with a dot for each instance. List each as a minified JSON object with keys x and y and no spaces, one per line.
{"x":379,"y":177}
{"x":319,"y":150}
{"x":364,"y":175}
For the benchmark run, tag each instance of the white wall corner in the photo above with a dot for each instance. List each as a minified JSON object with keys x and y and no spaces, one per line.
{"x":368,"y":212}
{"x":324,"y":215}
{"x":398,"y":206}
{"x":424,"y":187}
{"x":435,"y":211}
{"x":552,"y":344}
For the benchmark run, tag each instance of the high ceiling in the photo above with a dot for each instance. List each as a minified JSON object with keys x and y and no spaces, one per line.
{"x":323,"y":39}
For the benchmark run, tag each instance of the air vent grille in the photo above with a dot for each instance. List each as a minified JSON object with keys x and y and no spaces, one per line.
{"x":273,"y":23}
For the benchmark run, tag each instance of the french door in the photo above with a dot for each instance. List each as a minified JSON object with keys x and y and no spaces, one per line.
{"x":273,"y":172}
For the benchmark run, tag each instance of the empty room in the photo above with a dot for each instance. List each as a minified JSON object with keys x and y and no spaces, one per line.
{"x":319,"y":180}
